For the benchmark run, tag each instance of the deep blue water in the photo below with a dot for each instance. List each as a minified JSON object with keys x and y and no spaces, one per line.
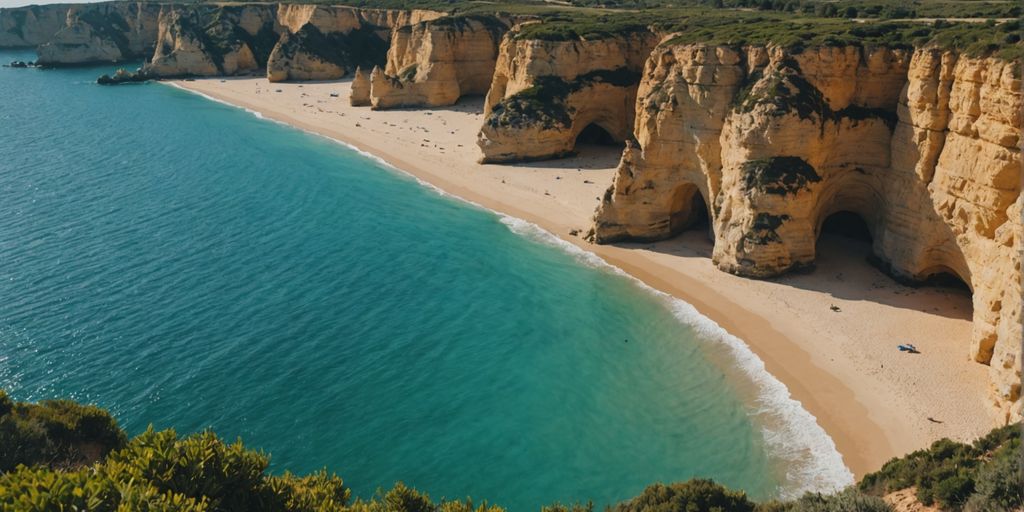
{"x":187,"y":265}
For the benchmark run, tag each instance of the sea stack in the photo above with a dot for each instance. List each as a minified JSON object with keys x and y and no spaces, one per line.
{"x":360,"y":96}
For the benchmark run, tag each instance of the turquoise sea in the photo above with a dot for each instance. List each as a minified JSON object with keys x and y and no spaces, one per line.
{"x":187,"y":265}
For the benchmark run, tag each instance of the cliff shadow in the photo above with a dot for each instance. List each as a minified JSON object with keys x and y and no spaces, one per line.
{"x":587,"y":157}
{"x":692,"y":243}
{"x":844,"y":269}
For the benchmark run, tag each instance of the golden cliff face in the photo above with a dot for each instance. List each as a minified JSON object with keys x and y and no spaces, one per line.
{"x":213,"y":40}
{"x":293,"y":42}
{"x":683,"y":101}
{"x":328,"y":42}
{"x":307,"y":28}
{"x":811,"y":138}
{"x":545,"y":93}
{"x":23,"y":27}
{"x":107,"y":32}
{"x":434,"y":63}
{"x":924,"y":146}
{"x":360,"y":96}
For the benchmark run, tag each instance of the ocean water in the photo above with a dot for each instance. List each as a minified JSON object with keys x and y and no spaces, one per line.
{"x":187,"y":265}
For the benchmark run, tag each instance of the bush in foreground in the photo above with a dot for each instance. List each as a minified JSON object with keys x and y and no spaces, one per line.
{"x":47,"y":448}
{"x":55,"y":433}
{"x":985,"y":475}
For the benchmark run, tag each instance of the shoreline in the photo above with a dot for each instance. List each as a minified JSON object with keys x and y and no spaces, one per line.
{"x":870,"y":414}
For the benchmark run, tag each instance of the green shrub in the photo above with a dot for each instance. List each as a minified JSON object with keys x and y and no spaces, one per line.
{"x":692,"y":496}
{"x":200,"y":466}
{"x":849,"y":500}
{"x":160,"y":472}
{"x":999,"y":484}
{"x":41,"y":489}
{"x":575,"y":507}
{"x":544,"y":103}
{"x":70,"y":423}
{"x":954,"y":475}
{"x":779,"y":175}
{"x":56,"y":433}
{"x":953,"y":491}
{"x":6,"y":404}
{"x":318,"y":492}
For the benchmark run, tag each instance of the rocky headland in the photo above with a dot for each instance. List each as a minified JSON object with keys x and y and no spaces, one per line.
{"x":436,"y":62}
{"x":545,"y":94}
{"x":767,"y":144}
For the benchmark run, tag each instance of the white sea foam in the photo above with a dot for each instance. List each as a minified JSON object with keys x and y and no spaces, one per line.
{"x":813,"y":464}
{"x":222,"y":102}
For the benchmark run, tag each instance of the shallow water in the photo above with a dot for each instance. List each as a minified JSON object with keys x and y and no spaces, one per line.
{"x":183,"y":264}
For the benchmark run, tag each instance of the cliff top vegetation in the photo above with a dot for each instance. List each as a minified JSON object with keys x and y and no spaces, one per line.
{"x":61,"y":455}
{"x":794,"y":31}
{"x":977,"y":27}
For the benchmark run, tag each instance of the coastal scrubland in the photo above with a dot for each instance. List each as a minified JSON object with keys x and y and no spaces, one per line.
{"x":965,"y":25}
{"x":62,"y":455}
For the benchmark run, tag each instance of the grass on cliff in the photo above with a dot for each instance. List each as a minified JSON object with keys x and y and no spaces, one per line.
{"x":794,"y":31}
{"x":779,"y":175}
{"x":975,"y":39}
{"x":60,"y":455}
{"x":361,"y":47}
{"x":545,"y":102}
{"x":869,"y":9}
{"x":793,"y":24}
{"x":787,"y":91}
{"x":567,"y":27}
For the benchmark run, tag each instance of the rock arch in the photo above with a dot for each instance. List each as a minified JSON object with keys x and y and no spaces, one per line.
{"x":946,"y":276}
{"x":848,"y":225}
{"x":688,"y":209}
{"x":846,"y":197}
{"x":596,"y":134}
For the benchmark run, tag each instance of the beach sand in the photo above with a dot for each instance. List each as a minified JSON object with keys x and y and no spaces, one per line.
{"x":874,"y":401}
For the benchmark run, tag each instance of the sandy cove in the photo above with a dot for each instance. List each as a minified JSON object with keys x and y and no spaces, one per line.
{"x":874,"y":401}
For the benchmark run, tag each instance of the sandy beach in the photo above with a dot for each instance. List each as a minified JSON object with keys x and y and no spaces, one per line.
{"x":843,"y":366}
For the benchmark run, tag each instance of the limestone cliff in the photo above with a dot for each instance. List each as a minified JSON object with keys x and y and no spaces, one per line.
{"x":360,"y":96}
{"x":292,"y":41}
{"x":545,"y":93}
{"x":325,"y":43}
{"x":434,"y":63}
{"x":208,"y":40}
{"x":23,"y":27}
{"x":105,"y":32}
{"x":922,"y":145}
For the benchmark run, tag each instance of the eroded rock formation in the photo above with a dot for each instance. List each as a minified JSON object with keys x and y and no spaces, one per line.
{"x":434,"y":63}
{"x":923,"y":146}
{"x":213,"y":40}
{"x":360,"y":96}
{"x":545,"y":93}
{"x":33,"y":25}
{"x":324,"y":43}
{"x":106,"y":32}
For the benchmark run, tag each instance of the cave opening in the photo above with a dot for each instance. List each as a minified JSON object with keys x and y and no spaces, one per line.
{"x":847,"y":225}
{"x":688,"y":211}
{"x":594,"y":135}
{"x":945,"y":277}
